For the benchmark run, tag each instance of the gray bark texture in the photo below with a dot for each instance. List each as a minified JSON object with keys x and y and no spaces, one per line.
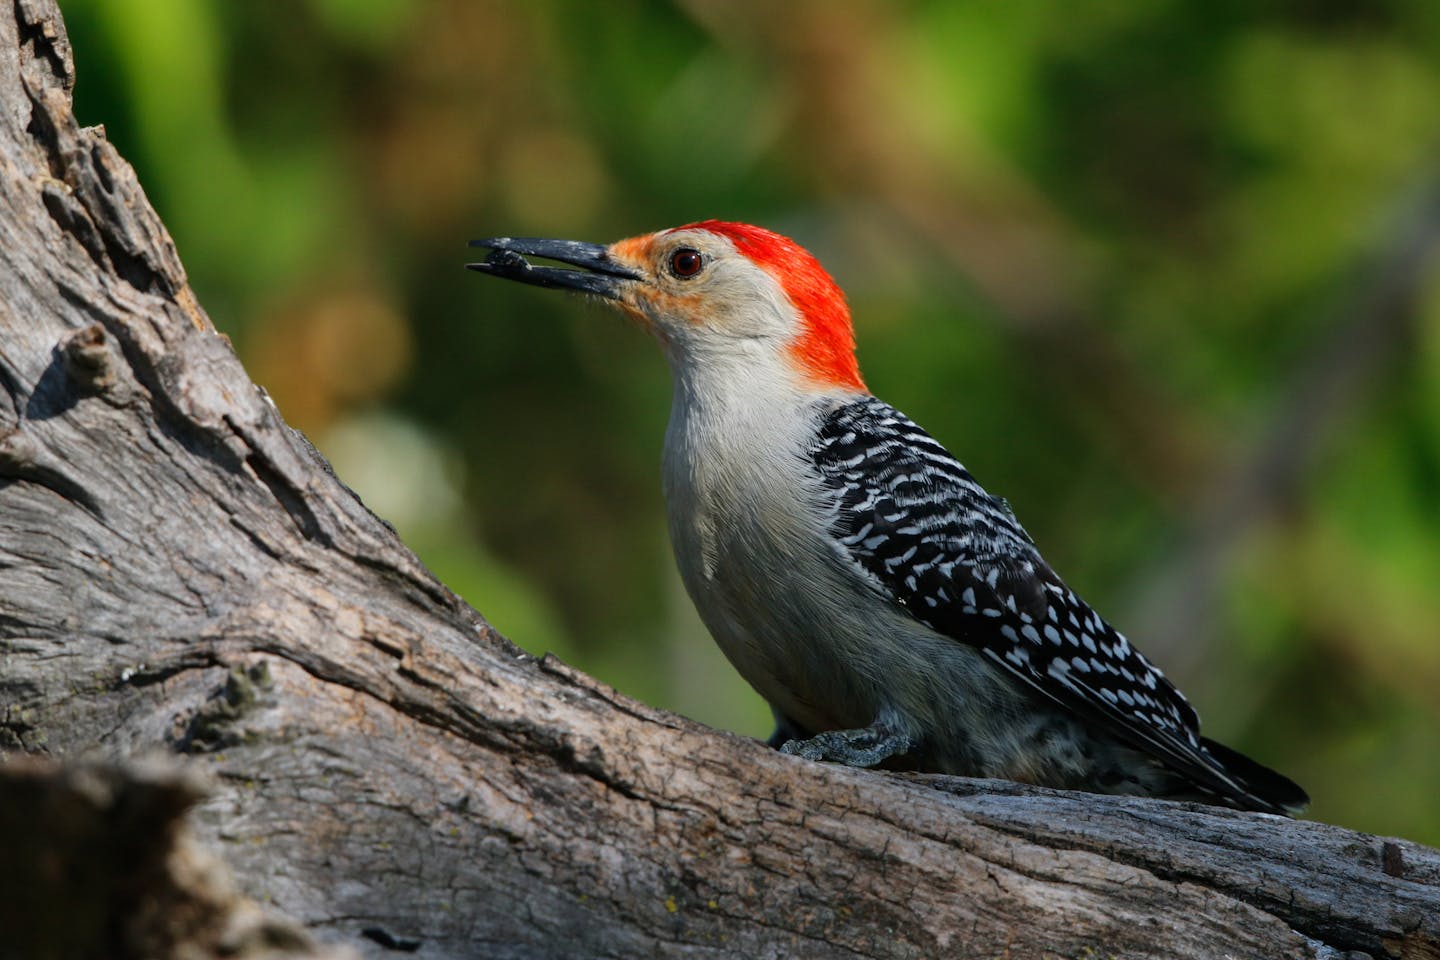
{"x":181,"y":573}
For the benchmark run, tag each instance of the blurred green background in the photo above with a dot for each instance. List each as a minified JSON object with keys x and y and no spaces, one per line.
{"x":1161,"y":273}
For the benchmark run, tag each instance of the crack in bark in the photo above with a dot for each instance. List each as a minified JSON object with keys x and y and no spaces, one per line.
{"x":23,"y":458}
{"x":45,"y":36}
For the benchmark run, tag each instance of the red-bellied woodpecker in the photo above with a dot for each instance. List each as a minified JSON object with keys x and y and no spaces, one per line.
{"x":884,"y":604}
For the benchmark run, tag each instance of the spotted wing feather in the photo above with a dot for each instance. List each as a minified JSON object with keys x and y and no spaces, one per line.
{"x":926,"y":535}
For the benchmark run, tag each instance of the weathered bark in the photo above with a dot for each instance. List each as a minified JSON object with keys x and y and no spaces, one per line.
{"x":179,"y":569}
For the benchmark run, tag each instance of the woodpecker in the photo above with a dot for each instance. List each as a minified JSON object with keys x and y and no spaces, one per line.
{"x":887,"y":607}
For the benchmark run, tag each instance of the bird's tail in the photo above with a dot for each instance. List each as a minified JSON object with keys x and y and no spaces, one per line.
{"x":1265,"y":790}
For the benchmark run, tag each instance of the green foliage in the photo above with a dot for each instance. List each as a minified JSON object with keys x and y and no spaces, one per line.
{"x":1098,"y":249}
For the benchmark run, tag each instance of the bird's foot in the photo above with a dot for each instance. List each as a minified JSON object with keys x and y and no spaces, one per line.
{"x":865,"y":747}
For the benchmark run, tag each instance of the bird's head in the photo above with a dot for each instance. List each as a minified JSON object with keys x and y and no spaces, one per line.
{"x":709,"y":292}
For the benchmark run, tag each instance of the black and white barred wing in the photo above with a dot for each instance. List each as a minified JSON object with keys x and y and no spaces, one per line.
{"x":930,"y":539}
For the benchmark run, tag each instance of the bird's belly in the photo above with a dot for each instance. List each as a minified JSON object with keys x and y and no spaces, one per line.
{"x":762,"y":604}
{"x":828,"y":652}
{"x":797,"y":656}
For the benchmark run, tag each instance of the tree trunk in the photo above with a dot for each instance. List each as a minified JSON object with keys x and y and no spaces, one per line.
{"x":180,"y":570}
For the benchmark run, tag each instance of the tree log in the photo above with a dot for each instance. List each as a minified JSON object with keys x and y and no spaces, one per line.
{"x":181,"y":570}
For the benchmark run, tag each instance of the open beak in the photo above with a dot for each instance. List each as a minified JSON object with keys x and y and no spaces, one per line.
{"x":599,"y":275}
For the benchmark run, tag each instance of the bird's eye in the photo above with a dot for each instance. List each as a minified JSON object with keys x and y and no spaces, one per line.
{"x":685,"y":263}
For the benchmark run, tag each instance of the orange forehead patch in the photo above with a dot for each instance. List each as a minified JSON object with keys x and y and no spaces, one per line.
{"x":634,"y":250}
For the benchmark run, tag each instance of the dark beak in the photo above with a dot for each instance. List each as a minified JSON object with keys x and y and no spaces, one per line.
{"x":600,"y":275}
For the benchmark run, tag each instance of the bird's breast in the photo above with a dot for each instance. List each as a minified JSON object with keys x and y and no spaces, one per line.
{"x":752,"y":550}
